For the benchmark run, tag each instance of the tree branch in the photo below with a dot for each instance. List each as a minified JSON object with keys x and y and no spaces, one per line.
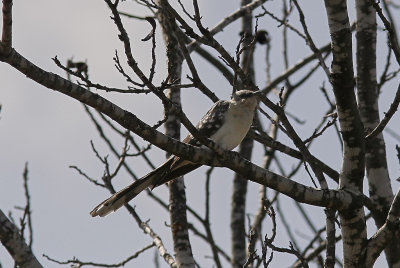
{"x":78,"y":263}
{"x":243,"y":10}
{"x":331,"y":198}
{"x":352,"y":130}
{"x":12,"y":240}
{"x":388,"y":232}
{"x":6,"y":38}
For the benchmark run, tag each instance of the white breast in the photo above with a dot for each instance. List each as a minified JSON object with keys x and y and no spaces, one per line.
{"x":237,"y":123}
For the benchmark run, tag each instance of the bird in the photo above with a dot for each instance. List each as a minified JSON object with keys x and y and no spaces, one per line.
{"x":226,"y":123}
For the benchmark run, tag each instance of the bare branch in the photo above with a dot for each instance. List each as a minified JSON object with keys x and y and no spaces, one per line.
{"x":199,"y":155}
{"x":286,"y":224}
{"x":295,"y":68}
{"x":330,"y":238}
{"x":353,"y":159}
{"x":296,"y":139}
{"x":282,"y":22}
{"x":87,"y":177}
{"x":244,"y":58}
{"x":391,"y":31}
{"x":153,"y":24}
{"x":388,"y":115}
{"x":207,"y":222}
{"x":132,"y":16}
{"x":152,"y":36}
{"x":27,"y":210}
{"x":196,"y":78}
{"x":317,"y":250}
{"x":121,"y":70}
{"x":78,"y":263}
{"x":252,"y":255}
{"x":268,"y":242}
{"x":177,"y":194}
{"x":385,"y":234}
{"x":12,"y":240}
{"x":6,"y":38}
{"x":268,"y":141}
{"x":310,"y":41}
{"x":396,"y":50}
{"x":317,"y":133}
{"x":228,"y":20}
{"x":89,"y":83}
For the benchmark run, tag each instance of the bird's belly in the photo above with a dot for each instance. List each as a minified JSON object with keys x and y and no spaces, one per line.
{"x":233,"y":131}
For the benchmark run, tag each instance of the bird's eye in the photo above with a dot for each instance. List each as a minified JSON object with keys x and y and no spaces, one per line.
{"x":246,"y":95}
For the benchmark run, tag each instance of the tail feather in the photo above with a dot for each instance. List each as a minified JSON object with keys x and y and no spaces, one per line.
{"x":121,"y":198}
{"x":125,"y":195}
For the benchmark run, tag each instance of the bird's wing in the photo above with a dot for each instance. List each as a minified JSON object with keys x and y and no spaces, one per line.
{"x":207,"y":126}
{"x":210,"y":123}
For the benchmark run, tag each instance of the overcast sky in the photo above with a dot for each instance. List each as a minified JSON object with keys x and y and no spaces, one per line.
{"x":51,"y":131}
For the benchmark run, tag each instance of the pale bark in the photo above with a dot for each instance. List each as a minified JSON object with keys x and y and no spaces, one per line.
{"x":352,"y":221}
{"x":380,"y":190}
{"x":177,"y":194}
{"x":15,"y":244}
{"x":239,"y":191}
{"x":385,"y":234}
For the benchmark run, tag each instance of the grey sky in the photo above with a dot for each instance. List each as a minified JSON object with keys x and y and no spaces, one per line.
{"x":51,"y":131}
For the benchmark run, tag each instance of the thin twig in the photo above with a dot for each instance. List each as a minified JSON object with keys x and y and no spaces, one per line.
{"x":282,"y":22}
{"x":131,"y":16}
{"x":90,"y":84}
{"x":298,"y":66}
{"x":27,"y":210}
{"x":310,"y":42}
{"x":317,"y":133}
{"x":95,"y":182}
{"x":207,"y":222}
{"x":78,"y":263}
{"x":388,"y":115}
{"x":228,"y":20}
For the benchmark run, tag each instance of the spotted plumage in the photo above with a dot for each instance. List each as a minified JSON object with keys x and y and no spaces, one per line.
{"x":210,"y":122}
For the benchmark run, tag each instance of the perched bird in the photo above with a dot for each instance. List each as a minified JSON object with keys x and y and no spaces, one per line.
{"x":226,"y":123}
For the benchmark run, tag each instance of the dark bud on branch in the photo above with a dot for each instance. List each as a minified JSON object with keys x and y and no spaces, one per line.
{"x":152,"y":21}
{"x":262,"y":37}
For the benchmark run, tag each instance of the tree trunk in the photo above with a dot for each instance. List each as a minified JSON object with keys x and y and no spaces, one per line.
{"x":352,"y":221}
{"x":177,"y":194}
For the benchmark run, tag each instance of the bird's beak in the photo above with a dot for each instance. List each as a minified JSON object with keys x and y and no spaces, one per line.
{"x":257,"y":93}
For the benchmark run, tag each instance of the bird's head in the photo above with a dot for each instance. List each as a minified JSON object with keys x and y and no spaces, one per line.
{"x":246,"y":97}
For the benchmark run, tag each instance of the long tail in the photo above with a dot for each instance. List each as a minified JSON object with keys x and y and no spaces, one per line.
{"x":125,"y":195}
